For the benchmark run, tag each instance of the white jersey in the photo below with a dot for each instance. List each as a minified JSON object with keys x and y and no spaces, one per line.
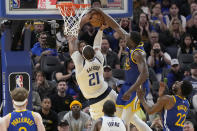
{"x":112,"y":124}
{"x":89,"y":74}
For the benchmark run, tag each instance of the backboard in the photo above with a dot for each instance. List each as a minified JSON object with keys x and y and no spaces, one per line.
{"x":46,"y":9}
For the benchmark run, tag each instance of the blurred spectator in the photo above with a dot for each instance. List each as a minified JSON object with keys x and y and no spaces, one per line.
{"x":95,"y":3}
{"x":42,"y":86}
{"x":61,"y":40}
{"x":36,"y":101}
{"x":184,"y":6}
{"x":174,"y":13}
{"x":193,"y":78}
{"x":76,"y":118}
{"x":194,"y":102}
{"x":42,"y":48}
{"x":193,"y":30}
{"x":165,"y":4}
{"x":107,"y":74}
{"x":157,"y":124}
{"x":66,"y":71}
{"x":193,"y":8}
{"x":87,"y":33}
{"x":38,"y":28}
{"x":186,"y":46}
{"x":122,"y":52}
{"x":188,"y":126}
{"x":175,"y":73}
{"x":158,"y":60}
{"x":176,"y":30}
{"x":110,"y":57}
{"x":158,"y":22}
{"x":195,"y":56}
{"x":49,"y":117}
{"x":125,"y":23}
{"x":63,"y":125}
{"x":144,"y":27}
{"x":60,"y":100}
{"x":73,"y":87}
{"x":144,"y":6}
{"x":118,"y":86}
{"x":153,"y":38}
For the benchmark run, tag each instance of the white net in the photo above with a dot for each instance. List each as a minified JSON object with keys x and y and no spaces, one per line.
{"x":72,"y":17}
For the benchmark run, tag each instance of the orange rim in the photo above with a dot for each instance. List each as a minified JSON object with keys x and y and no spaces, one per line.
{"x":70,"y":8}
{"x":70,"y":4}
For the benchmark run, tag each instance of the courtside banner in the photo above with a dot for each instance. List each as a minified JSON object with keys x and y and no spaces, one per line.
{"x":19,"y":80}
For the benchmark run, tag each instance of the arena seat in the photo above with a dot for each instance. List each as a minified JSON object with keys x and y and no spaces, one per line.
{"x":49,"y":64}
{"x":185,"y":60}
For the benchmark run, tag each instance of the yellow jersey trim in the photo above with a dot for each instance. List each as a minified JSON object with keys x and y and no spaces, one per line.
{"x":32,"y":113}
{"x":21,"y":110}
{"x":181,"y":97}
{"x":10,"y":115}
{"x":132,"y":55}
{"x":174,"y":99}
{"x":135,"y":104}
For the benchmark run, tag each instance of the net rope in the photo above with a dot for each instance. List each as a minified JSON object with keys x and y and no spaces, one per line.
{"x":72,"y":17}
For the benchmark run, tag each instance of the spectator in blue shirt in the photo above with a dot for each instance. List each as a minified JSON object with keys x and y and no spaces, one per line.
{"x":43,"y":47}
{"x":158,"y":22}
{"x":175,"y":73}
{"x":193,"y":8}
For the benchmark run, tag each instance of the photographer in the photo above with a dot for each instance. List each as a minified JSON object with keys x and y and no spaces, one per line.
{"x":158,"y":60}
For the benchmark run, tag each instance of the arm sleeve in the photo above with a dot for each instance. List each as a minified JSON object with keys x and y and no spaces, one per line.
{"x":99,"y":55}
{"x":98,"y":40}
{"x":78,"y":60}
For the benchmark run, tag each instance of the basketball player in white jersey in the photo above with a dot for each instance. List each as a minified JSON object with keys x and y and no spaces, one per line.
{"x":109,"y":122}
{"x":89,"y":74}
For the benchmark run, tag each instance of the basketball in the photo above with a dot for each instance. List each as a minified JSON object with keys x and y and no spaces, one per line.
{"x":96,"y":19}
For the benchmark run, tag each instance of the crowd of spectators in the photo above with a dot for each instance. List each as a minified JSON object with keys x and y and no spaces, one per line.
{"x":168,"y":29}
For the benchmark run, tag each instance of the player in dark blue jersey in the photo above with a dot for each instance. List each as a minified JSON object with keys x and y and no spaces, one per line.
{"x":136,"y":75}
{"x":21,"y":119}
{"x":174,"y":108}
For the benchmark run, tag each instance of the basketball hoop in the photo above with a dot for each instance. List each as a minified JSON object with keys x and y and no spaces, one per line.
{"x":72,"y":15}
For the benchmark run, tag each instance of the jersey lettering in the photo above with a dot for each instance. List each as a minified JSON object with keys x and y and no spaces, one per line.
{"x":110,"y":124}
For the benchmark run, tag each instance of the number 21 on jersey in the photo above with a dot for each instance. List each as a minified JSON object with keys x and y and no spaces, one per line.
{"x":94,"y":79}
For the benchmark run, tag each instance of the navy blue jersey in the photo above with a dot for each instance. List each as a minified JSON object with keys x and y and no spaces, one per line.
{"x":131,"y":75}
{"x":22,"y":121}
{"x":174,"y":118}
{"x":131,"y":69}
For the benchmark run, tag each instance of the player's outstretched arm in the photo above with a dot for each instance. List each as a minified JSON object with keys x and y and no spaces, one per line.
{"x":72,"y":42}
{"x":162,"y":102}
{"x":2,"y":125}
{"x":112,"y":23}
{"x":4,"y":122}
{"x":38,"y":121}
{"x":98,"y":38}
{"x":140,"y":59}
